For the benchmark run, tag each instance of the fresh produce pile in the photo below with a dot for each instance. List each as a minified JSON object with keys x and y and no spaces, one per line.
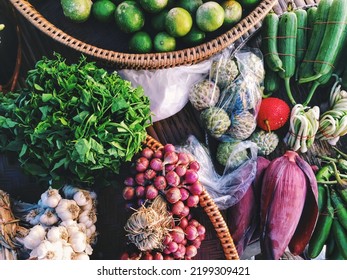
{"x":162,"y":191}
{"x":73,"y":123}
{"x":331,"y":228}
{"x":60,"y":226}
{"x":297,"y":47}
{"x":161,"y":25}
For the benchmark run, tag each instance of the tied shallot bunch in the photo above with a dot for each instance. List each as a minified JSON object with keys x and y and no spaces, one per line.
{"x":174,"y":176}
{"x":288,"y":206}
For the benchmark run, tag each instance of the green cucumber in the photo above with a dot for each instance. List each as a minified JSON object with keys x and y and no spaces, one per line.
{"x":301,"y":37}
{"x":269,"y":42}
{"x":306,"y":67}
{"x":271,"y":82}
{"x":311,"y":17}
{"x":332,"y":41}
{"x":287,"y":31}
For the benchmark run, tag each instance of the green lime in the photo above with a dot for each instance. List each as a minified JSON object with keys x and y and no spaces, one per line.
{"x":247,"y":4}
{"x":190,"y":5}
{"x":77,"y":10}
{"x":141,"y":42}
{"x":129,"y":17}
{"x":163,"y":42}
{"x":153,"y":6}
{"x":209,"y":16}
{"x":232,"y":12}
{"x":194,"y":37}
{"x":103,"y":10}
{"x":158,"y":20}
{"x":178,"y":22}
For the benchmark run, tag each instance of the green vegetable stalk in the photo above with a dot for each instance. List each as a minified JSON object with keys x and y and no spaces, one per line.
{"x":74,"y":123}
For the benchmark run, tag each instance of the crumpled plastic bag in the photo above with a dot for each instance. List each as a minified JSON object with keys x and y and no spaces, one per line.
{"x":167,"y":89}
{"x":226,"y":189}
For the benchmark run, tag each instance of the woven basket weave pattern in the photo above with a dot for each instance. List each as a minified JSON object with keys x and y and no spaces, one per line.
{"x":153,"y":60}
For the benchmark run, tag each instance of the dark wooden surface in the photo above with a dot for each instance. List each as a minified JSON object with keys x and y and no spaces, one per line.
{"x":175,"y":130}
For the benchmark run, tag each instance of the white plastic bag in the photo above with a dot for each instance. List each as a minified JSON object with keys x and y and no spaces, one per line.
{"x":226,"y":189}
{"x":167,"y":89}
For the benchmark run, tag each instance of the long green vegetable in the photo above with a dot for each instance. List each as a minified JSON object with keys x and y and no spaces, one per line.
{"x":332,"y":41}
{"x":287,"y":32}
{"x":74,"y":122}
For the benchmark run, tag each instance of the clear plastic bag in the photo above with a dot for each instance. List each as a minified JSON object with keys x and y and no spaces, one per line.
{"x":233,"y":117}
{"x":167,"y":89}
{"x":226,"y":189}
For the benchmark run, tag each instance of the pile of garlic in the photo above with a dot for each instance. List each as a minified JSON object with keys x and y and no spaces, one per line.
{"x":62,"y":226}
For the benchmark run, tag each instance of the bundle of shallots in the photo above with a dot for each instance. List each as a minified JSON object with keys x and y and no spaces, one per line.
{"x":289,"y":206}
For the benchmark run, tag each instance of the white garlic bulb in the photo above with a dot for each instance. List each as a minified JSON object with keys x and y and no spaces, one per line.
{"x":78,"y":241}
{"x":88,"y":218}
{"x":67,"y":209}
{"x":58,"y":233}
{"x":50,"y":198}
{"x":33,"y":216}
{"x":82,"y":197}
{"x":35,"y":236}
{"x":47,"y":250}
{"x":49,"y":217}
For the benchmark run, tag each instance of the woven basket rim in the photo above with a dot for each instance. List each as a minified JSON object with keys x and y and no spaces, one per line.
{"x":186,"y":56}
{"x":212,"y":211}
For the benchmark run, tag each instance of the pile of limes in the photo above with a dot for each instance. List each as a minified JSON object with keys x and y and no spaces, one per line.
{"x":159,"y":25}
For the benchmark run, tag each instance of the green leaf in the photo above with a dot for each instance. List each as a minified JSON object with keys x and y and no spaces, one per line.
{"x":38,"y":87}
{"x":59,"y":164}
{"x":23,"y":151}
{"x":6,"y":122}
{"x":46,"y":97}
{"x":96,"y":146}
{"x":82,"y":147}
{"x":35,"y":169}
{"x":119,"y":104}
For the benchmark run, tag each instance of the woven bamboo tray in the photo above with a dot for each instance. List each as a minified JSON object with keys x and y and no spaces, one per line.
{"x":119,"y":58}
{"x":212,"y":211}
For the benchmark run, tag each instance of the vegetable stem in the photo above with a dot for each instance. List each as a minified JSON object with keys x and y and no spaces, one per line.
{"x":288,"y":90}
{"x":314,"y":86}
